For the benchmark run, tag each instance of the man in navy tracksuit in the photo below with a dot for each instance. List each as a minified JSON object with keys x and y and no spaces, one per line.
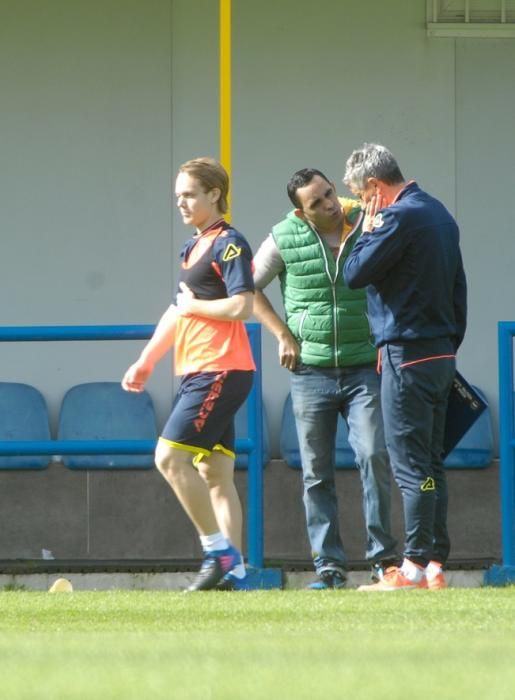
{"x":410,"y":260}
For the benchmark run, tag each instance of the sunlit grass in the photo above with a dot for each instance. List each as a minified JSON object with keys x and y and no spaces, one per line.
{"x":294,"y":644}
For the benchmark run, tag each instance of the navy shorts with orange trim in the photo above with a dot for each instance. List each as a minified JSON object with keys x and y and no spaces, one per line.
{"x":202,"y":418}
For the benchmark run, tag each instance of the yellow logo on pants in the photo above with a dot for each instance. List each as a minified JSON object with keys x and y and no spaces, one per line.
{"x":428,"y":485}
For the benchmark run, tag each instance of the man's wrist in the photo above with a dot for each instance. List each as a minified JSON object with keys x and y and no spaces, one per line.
{"x":285,"y":334}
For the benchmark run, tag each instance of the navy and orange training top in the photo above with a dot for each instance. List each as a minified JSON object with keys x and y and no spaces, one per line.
{"x":216,"y":264}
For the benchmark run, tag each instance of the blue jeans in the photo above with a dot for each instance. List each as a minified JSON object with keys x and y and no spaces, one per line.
{"x":319,"y":395}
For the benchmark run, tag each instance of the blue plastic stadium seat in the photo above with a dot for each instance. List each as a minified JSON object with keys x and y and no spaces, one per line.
{"x":289,"y":442}
{"x":104,"y":411}
{"x":476,"y":448}
{"x":23,"y":416}
{"x":240,"y":422}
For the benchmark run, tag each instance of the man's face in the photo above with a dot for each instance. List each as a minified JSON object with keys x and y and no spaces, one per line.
{"x":319,"y":205}
{"x":196,"y":206}
{"x":365,"y":194}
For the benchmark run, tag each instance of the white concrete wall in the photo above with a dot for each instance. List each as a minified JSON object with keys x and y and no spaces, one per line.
{"x":101,"y":101}
{"x":85,"y":209}
{"x":485,"y":158}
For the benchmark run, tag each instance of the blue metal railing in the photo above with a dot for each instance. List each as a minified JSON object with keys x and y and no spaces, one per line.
{"x":252,"y":445}
{"x":506,"y":331}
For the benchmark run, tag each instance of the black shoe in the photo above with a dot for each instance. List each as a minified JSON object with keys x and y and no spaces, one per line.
{"x":329,"y":578}
{"x":379,"y":568}
{"x":214,"y":567}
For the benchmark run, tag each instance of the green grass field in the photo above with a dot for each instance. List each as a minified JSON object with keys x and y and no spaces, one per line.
{"x":458,"y":643}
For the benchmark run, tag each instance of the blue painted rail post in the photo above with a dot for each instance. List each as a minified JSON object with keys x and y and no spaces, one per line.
{"x":259,"y":576}
{"x":504,"y":574}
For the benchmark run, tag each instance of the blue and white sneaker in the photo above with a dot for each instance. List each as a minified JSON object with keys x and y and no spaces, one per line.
{"x":329,"y":578}
{"x":214,"y":567}
{"x":233,"y":583}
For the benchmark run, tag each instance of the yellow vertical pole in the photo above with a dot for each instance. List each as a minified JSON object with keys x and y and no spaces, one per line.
{"x":225,"y":89}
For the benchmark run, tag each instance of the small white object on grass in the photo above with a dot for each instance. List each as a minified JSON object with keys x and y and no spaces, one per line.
{"x":62,"y":585}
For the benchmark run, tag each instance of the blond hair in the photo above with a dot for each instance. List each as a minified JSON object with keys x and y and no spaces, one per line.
{"x":212,"y":175}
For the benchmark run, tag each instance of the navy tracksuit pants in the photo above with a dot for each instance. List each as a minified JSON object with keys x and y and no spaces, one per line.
{"x":415,"y":385}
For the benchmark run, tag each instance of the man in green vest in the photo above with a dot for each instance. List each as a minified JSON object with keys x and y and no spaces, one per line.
{"x":326,"y":344}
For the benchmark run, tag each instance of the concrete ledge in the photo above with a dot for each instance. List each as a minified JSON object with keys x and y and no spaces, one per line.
{"x":179,"y":581}
{"x":455,"y":579}
{"x":129,"y":516}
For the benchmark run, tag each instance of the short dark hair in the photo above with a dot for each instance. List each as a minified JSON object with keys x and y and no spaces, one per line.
{"x":300,"y":179}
